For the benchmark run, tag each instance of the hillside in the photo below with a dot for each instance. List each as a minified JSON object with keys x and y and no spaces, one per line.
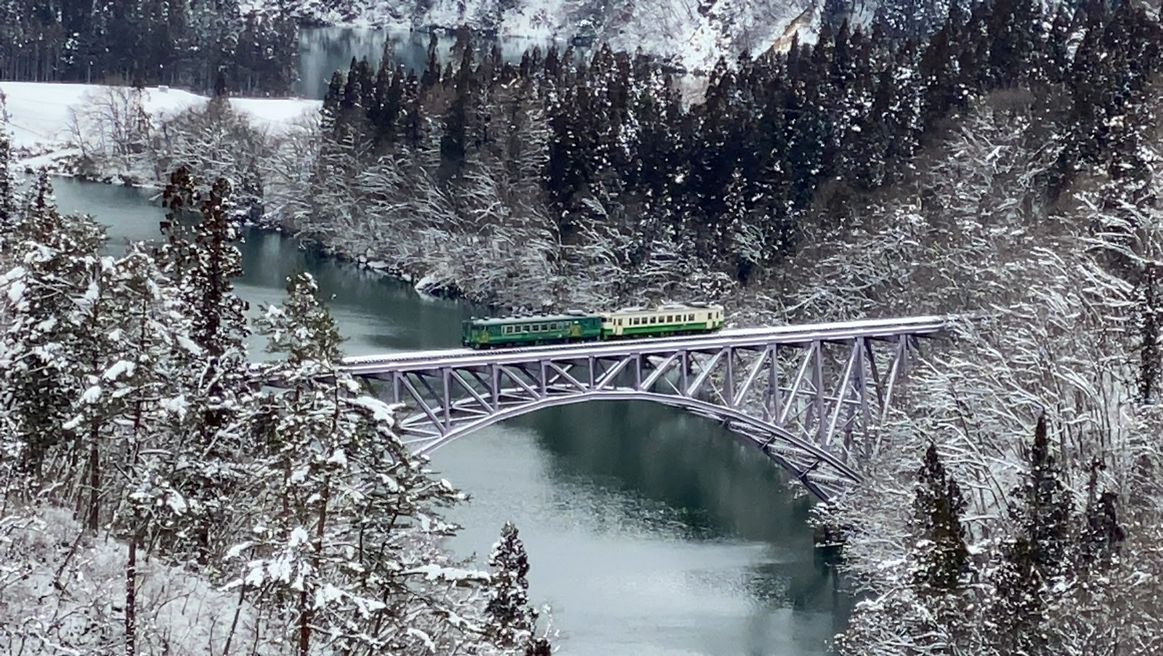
{"x":694,"y":33}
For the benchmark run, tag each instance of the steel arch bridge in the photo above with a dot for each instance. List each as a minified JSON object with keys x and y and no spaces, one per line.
{"x":811,"y":397}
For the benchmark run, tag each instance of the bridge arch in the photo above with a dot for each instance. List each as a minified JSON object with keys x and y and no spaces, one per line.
{"x":766,"y":436}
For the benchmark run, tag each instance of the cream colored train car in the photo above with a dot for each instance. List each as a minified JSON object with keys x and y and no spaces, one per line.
{"x":662,"y":321}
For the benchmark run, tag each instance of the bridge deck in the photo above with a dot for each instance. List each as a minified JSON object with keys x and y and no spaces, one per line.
{"x":736,"y":337}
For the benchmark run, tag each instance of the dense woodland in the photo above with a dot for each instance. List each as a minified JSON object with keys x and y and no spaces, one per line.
{"x":602,"y":168}
{"x":197,"y":44}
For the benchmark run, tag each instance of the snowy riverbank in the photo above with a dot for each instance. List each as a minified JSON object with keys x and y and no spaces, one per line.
{"x":48,"y":121}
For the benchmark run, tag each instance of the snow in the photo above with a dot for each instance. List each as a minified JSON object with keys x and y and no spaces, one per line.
{"x":339,"y":458}
{"x":16,"y":286}
{"x":451,"y":574}
{"x":39,"y":112}
{"x":381,"y":412}
{"x":693,"y":34}
{"x":91,"y":395}
{"x":120,"y":369}
{"x":68,"y":592}
{"x":176,"y":406}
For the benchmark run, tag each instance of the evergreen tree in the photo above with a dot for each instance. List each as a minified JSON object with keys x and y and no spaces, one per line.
{"x":511,"y":624}
{"x":203,"y":262}
{"x":139,"y":389}
{"x":45,"y":336}
{"x":942,"y":557}
{"x":1044,"y":507}
{"x":1149,"y":356}
{"x":1102,"y":534}
{"x":7,"y":184}
{"x":1034,"y":561}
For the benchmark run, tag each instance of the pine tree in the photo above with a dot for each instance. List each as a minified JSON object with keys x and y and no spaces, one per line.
{"x":203,"y":261}
{"x":511,"y":623}
{"x":1101,"y":534}
{"x":942,"y":557}
{"x":1035,"y":559}
{"x":140,"y":384}
{"x":44,"y":339}
{"x":7,"y":184}
{"x":1045,"y":507}
{"x":1149,"y":356}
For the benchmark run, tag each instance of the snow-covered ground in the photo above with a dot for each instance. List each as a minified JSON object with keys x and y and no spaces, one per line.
{"x":39,"y":113}
{"x":64,"y":593}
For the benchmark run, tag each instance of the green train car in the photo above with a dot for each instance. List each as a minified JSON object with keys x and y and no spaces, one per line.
{"x":527,"y":331}
{"x":632,"y":323}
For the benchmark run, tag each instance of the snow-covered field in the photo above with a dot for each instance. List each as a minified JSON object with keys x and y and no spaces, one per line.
{"x":64,"y":593}
{"x":39,"y":113}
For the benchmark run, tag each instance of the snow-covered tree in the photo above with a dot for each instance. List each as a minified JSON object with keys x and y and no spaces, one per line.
{"x":7,"y":184}
{"x":510,"y":622}
{"x":44,"y":337}
{"x":346,"y":553}
{"x":202,"y":263}
{"x":1035,"y":560}
{"x":941,"y":557}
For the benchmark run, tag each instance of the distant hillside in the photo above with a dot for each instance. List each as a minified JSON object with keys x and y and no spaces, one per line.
{"x":694,"y":33}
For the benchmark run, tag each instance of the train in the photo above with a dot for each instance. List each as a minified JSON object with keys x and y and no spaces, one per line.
{"x":576,"y":326}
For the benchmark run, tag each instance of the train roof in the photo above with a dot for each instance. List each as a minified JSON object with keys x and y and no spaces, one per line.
{"x":573,"y":315}
{"x":491,"y":321}
{"x":669,"y":307}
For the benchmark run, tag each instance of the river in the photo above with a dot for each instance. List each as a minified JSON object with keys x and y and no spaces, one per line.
{"x":650,"y":532}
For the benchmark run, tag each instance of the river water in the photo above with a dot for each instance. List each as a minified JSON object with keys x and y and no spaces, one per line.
{"x":649,"y":531}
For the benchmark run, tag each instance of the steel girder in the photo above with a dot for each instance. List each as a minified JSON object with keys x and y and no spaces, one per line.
{"x":810,"y":397}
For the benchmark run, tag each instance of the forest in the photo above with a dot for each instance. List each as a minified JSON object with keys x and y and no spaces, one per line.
{"x":601,"y":173}
{"x":192,"y":44}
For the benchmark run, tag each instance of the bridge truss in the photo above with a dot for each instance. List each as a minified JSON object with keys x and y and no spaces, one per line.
{"x":810,"y":397}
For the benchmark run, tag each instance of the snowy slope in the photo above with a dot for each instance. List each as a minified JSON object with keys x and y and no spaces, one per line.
{"x":39,"y":113}
{"x":74,"y":600}
{"x":693,"y":33}
{"x":725,"y":28}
